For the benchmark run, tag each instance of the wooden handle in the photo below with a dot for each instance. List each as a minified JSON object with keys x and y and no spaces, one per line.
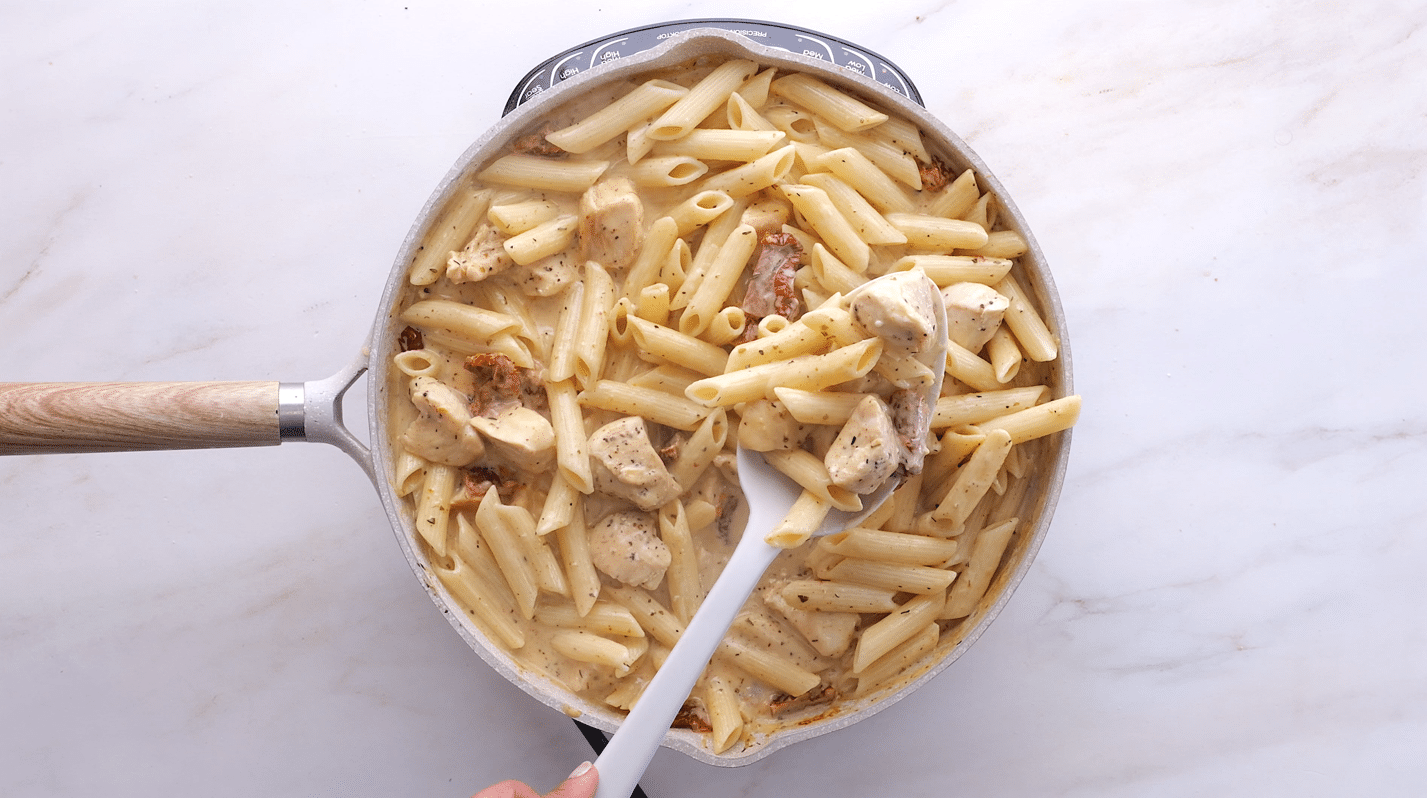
{"x":53,"y":418}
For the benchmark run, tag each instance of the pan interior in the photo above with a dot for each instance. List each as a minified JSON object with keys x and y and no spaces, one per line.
{"x":1051,"y":454}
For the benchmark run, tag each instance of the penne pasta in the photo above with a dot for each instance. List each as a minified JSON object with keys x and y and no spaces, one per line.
{"x":977,"y":408}
{"x":807,"y":372}
{"x":517,"y":217}
{"x":667,"y":171}
{"x":708,"y":94}
{"x":1029,"y":328}
{"x":892,"y":160}
{"x":475,"y":595}
{"x":650,"y":403}
{"x":700,"y":209}
{"x":451,"y":232}
{"x":676,"y":348}
{"x":891,"y":547}
{"x":865,"y":220}
{"x":767,"y":667}
{"x":723,"y":145}
{"x":1054,"y":416}
{"x":724,"y":716}
{"x":857,"y":170}
{"x":896,"y":628}
{"x":544,"y":174}
{"x":936,"y":233}
{"x":901,"y":577}
{"x":836,"y":106}
{"x":603,"y":618}
{"x":572,"y":452}
{"x":884,"y":673}
{"x":948,"y":269}
{"x":591,"y":334}
{"x":805,"y":517}
{"x":828,"y":222}
{"x":580,"y":571}
{"x":973,"y":479}
{"x":743,"y":115}
{"x":958,"y":198}
{"x":685,"y":590}
{"x":756,"y":175}
{"x":639,"y":105}
{"x":985,"y":556}
{"x":433,"y":506}
{"x":824,"y":596}
{"x":718,"y":281}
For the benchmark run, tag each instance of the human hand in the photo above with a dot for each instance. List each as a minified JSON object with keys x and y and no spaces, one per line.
{"x":580,"y":784}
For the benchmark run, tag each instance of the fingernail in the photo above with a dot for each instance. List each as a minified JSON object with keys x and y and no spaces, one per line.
{"x":581,"y":770}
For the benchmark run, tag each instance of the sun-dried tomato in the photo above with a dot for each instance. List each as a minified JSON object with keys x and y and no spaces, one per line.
{"x":783,"y":702}
{"x":536,"y":144}
{"x":935,"y":175}
{"x":409,"y":339}
{"x":669,"y":452}
{"x":770,"y":288}
{"x":689,"y":718}
{"x":477,"y":481}
{"x":498,"y":383}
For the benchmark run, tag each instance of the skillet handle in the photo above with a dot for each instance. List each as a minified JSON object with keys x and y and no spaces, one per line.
{"x":54,"y":418}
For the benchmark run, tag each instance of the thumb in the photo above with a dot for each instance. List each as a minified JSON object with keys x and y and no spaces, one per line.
{"x":580,"y":784}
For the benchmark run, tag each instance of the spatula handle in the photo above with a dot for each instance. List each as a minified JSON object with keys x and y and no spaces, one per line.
{"x":52,"y":418}
{"x":638,"y":737}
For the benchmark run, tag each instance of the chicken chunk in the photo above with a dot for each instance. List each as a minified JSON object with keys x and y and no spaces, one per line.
{"x":899,"y":309}
{"x":626,"y":547}
{"x":830,"y":633}
{"x":483,"y":256}
{"x":521,"y":435}
{"x":611,"y":223}
{"x":547,"y":276}
{"x":626,"y":465}
{"x":766,"y":426}
{"x":767,"y":214}
{"x":911,"y":417}
{"x":867,"y":450}
{"x":442,"y":433}
{"x":973,"y":313}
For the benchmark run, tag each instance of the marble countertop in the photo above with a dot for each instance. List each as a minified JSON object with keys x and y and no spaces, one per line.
{"x":1230,"y":599}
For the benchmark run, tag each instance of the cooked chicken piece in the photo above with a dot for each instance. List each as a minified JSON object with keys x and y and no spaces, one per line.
{"x":867,"y":450}
{"x":973,"y":312}
{"x":911,"y":416}
{"x":521,"y":435}
{"x":830,"y":633}
{"x":626,"y":547}
{"x":768,"y":214}
{"x":898,"y":309}
{"x":483,"y":256}
{"x":766,"y":426}
{"x":547,"y":276}
{"x":611,"y":223}
{"x":442,"y":433}
{"x":626,"y":465}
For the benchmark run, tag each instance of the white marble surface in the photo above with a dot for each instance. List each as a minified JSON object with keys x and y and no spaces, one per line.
{"x":1229,"y":603}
